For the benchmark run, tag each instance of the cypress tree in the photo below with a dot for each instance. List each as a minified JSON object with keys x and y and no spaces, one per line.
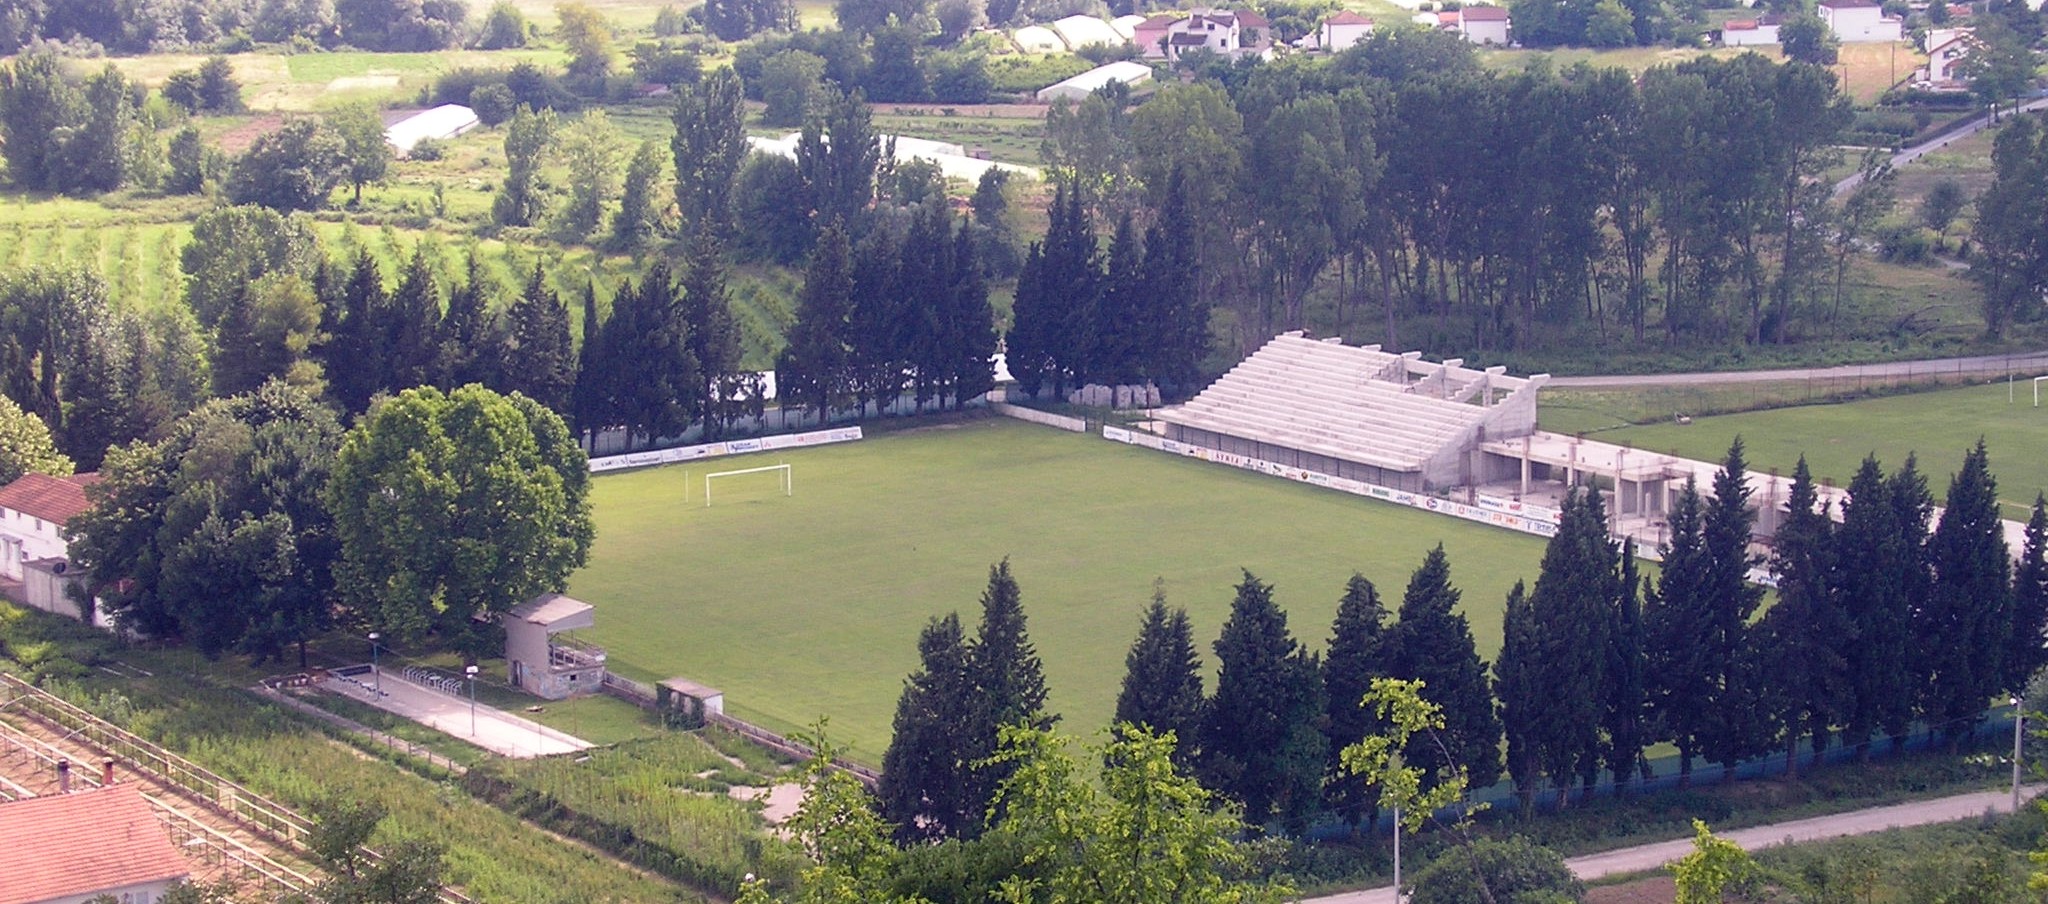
{"x":876,"y":321}
{"x":357,"y":355}
{"x":1432,"y":643}
{"x":592,"y":393}
{"x":1521,"y":696}
{"x":1009,"y":684}
{"x":1735,"y":728}
{"x":1969,"y":614}
{"x":1807,"y":632}
{"x":647,"y":337}
{"x":1119,"y":324}
{"x":970,"y":325}
{"x":1162,"y":689}
{"x":1561,"y":652}
{"x":812,"y":371}
{"x":1357,"y":654}
{"x":1073,"y":274}
{"x":1913,"y":510}
{"x":540,"y":361}
{"x":1875,"y":600}
{"x":1250,"y":752}
{"x":472,"y":346}
{"x":1177,"y":338}
{"x":1674,"y":631}
{"x":924,"y":790}
{"x":412,"y":329}
{"x":926,"y":275}
{"x":1027,"y":347}
{"x":713,"y":338}
{"x":2024,"y":655}
{"x":1627,"y":715}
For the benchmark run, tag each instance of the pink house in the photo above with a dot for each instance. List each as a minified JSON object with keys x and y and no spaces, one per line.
{"x":1150,"y":35}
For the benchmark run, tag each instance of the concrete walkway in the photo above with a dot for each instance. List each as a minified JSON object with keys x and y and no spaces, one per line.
{"x":1819,"y":828}
{"x":490,"y":728}
{"x":2024,"y":365}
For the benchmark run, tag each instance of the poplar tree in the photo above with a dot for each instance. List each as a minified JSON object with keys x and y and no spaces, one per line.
{"x":924,"y":791}
{"x":2024,"y":654}
{"x":1162,"y":689}
{"x":812,"y":370}
{"x":593,"y":394}
{"x":638,"y":214}
{"x":1807,"y":632}
{"x":1433,"y":643}
{"x":540,"y":360}
{"x":709,"y":145}
{"x":713,"y":338}
{"x":1357,"y":654}
{"x":1969,"y":615}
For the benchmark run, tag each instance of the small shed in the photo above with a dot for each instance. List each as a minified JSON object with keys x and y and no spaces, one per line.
{"x":681,"y":695}
{"x":440,"y":124}
{"x":546,"y":666}
{"x":1079,"y":87}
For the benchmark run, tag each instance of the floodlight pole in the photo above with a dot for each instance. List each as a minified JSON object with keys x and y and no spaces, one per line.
{"x":376,"y":674}
{"x":471,"y":672}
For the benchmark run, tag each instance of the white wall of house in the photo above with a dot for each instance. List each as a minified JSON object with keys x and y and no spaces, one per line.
{"x":1749,"y":37}
{"x":1339,"y":38}
{"x":1860,"y":24}
{"x":144,"y":893}
{"x":24,"y":537}
{"x":1943,"y":60}
{"x":1493,"y":32}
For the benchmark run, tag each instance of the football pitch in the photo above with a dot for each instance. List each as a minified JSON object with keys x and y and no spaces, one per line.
{"x":1940,"y":426}
{"x":809,"y":605}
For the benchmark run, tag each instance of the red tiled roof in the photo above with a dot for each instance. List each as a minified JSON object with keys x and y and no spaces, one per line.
{"x":49,"y":498}
{"x":1249,"y":19}
{"x":90,"y":841}
{"x":1485,"y":14}
{"x":1347,"y":17}
{"x":1848,"y":4}
{"x":1160,"y":20}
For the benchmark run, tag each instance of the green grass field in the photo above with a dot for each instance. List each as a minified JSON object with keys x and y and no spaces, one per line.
{"x":1940,"y":426}
{"x":810,"y":606}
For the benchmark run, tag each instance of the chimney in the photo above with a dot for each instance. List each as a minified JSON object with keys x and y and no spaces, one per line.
{"x":106,"y":772}
{"x":63,"y":776}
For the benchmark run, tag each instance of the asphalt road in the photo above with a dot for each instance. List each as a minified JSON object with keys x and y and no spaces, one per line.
{"x":1856,"y":822}
{"x":1915,"y":152}
{"x":2024,"y":364}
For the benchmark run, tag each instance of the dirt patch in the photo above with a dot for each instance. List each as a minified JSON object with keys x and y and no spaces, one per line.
{"x":238,"y":139}
{"x":1653,"y":890}
{"x":778,"y":803}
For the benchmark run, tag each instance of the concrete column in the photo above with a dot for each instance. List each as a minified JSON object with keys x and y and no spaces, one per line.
{"x":1527,"y":441}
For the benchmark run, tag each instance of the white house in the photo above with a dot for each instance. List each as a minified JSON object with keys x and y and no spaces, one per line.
{"x":1859,"y":22}
{"x":72,"y":848}
{"x":1150,"y":34}
{"x":1078,"y":88}
{"x":1749,"y":32}
{"x":33,"y":548}
{"x":1221,"y":31}
{"x":440,"y":124}
{"x":1944,"y":56}
{"x":1477,"y":24}
{"x":1341,"y":31}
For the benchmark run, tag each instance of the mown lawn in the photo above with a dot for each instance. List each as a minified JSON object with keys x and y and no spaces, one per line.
{"x":1939,"y":426}
{"x":808,"y":606}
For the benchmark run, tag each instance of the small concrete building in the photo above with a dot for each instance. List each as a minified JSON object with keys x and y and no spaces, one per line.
{"x":72,"y":848}
{"x":688,"y":697}
{"x":546,"y":666}
{"x":1749,"y":32}
{"x":1859,"y":22}
{"x":1481,"y":24}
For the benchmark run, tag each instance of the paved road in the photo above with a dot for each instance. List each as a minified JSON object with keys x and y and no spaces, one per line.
{"x":488,"y":727}
{"x":2024,"y":364}
{"x":1919,"y":150}
{"x":1856,"y":822}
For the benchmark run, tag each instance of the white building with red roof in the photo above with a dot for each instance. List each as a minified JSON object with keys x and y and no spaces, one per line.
{"x":71,"y":848}
{"x":1342,"y":31}
{"x":34,"y":551}
{"x":1750,"y":32}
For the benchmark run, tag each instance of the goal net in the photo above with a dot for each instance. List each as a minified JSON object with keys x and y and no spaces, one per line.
{"x":782,"y":471}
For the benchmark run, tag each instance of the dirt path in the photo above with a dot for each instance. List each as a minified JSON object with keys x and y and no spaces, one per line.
{"x":1855,"y":822}
{"x":2024,"y":364}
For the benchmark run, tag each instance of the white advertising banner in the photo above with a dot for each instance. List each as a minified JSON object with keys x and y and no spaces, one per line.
{"x":728,"y":447}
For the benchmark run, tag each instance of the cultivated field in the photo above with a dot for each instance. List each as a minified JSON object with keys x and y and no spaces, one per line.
{"x":1939,"y":425}
{"x":808,"y":606}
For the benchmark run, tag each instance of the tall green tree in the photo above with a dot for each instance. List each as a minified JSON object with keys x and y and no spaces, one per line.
{"x":412,"y":321}
{"x":415,"y":558}
{"x":356,"y":354}
{"x":1736,"y":729}
{"x":1879,"y":608}
{"x":714,"y":336}
{"x":1009,"y":681}
{"x":1966,"y":622}
{"x":1162,"y":688}
{"x":1675,"y":623}
{"x":647,"y":337}
{"x":593,"y":150}
{"x":293,"y":168}
{"x":639,"y":215}
{"x":926,"y":788}
{"x":2024,"y":646}
{"x":1262,"y":745}
{"x":232,"y":247}
{"x":1627,"y":717}
{"x":1552,"y":670}
{"x":268,"y":334}
{"x":837,"y":155}
{"x":540,"y":359}
{"x":96,"y":157}
{"x":593,"y":396}
{"x":528,"y":136}
{"x":473,"y":340}
{"x":813,"y":369}
{"x":2012,"y":264}
{"x":1432,"y":643}
{"x":1357,"y":654}
{"x":218,"y":533}
{"x":26,"y":446}
{"x":364,"y":151}
{"x":1807,"y":633}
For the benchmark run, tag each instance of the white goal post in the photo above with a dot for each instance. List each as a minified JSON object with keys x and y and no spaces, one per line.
{"x":788,"y":483}
{"x":2037,"y":391}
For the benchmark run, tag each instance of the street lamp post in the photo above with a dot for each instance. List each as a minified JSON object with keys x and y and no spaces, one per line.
{"x":471,"y":672}
{"x":376,"y":674}
{"x":2019,"y":718}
